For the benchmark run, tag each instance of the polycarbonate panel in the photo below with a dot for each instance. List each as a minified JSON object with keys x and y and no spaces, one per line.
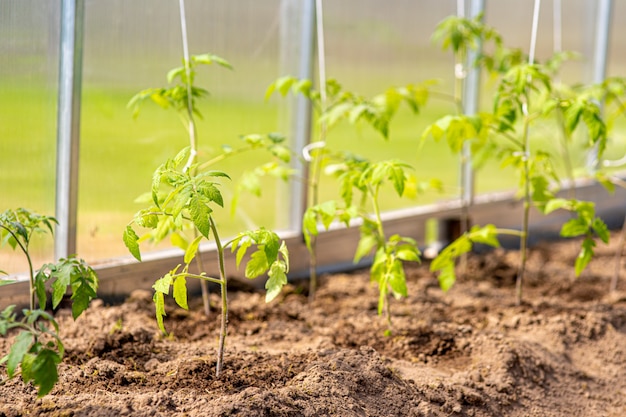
{"x":578,"y":32}
{"x":130,"y":46}
{"x":29,"y":35}
{"x":373,"y":45}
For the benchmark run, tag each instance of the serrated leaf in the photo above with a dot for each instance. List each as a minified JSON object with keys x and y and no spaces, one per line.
{"x":408,"y":253}
{"x":364,"y":247}
{"x":447,"y":277}
{"x":584,"y":256}
{"x":192,"y":249}
{"x":601,"y":229}
{"x":44,"y":370}
{"x":487,"y":235}
{"x":61,"y":282}
{"x":159,"y":304}
{"x":200,"y":215}
{"x":277,"y":279}
{"x":397,"y":279}
{"x":180,"y":291}
{"x":241,"y":251}
{"x":40,"y":287}
{"x":21,"y":345}
{"x":131,"y":242}
{"x":555,"y":204}
{"x":163,"y":284}
{"x":574,"y":227}
{"x":257,"y":265}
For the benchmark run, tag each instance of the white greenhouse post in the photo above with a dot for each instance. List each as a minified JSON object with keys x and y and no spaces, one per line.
{"x":471,"y":94}
{"x":68,"y":125}
{"x":300,"y":124}
{"x":600,"y":52}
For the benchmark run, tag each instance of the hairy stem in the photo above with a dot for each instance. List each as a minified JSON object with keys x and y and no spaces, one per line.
{"x":224,"y":283}
{"x":526,"y":214}
{"x":31,"y":271}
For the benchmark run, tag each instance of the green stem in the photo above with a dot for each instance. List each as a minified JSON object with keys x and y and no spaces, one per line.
{"x":618,"y":258}
{"x":31,"y":271}
{"x":314,"y":186}
{"x":526,"y":214}
{"x":224,"y":283}
{"x":200,"y":277}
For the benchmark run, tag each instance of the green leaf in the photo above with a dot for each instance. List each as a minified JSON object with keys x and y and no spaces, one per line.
{"x":584,"y":256}
{"x":257,"y":265}
{"x":397,"y":279}
{"x":409,"y":253}
{"x":447,"y":276}
{"x":487,"y":235}
{"x":243,"y":248}
{"x":131,"y":241}
{"x":365,"y":246}
{"x":200,"y":215}
{"x":192,"y":249}
{"x":556,"y":204}
{"x":180,"y":291}
{"x":159,"y":304}
{"x":277,"y":279}
{"x":601,"y":229}
{"x":44,"y":370}
{"x":163,"y":284}
{"x":22,"y":344}
{"x":40,"y":287}
{"x":574,"y":227}
{"x":208,"y":59}
{"x":61,"y":273}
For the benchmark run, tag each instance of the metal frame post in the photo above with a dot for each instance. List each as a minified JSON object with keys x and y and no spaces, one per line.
{"x":68,"y":125}
{"x":600,"y":53}
{"x":301,"y":112}
{"x":471,"y":95}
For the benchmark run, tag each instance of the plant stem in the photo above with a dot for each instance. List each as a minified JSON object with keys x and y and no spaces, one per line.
{"x":224,"y":321}
{"x":526,"y":214}
{"x":31,"y":271}
{"x":618,"y":257}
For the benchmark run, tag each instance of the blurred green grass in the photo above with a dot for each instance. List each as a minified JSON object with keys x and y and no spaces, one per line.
{"x":118,"y":155}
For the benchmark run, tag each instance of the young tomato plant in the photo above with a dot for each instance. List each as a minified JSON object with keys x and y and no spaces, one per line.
{"x":525,"y":95}
{"x":181,"y":96}
{"x":360,"y":176}
{"x":183,"y":197}
{"x":360,"y":181}
{"x":38,"y":349}
{"x":334,"y":104}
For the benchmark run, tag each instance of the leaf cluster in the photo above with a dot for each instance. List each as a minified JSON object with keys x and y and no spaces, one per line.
{"x":37,"y":349}
{"x":183,"y":93}
{"x":340,"y":104}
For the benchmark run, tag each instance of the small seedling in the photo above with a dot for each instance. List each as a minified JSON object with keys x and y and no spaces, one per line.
{"x":360,"y":181}
{"x":38,"y":349}
{"x":184,"y":195}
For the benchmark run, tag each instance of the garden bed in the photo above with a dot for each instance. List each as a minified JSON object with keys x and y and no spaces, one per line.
{"x":469,"y":352}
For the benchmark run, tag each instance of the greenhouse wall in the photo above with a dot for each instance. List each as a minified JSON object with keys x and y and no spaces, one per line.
{"x":130,"y":46}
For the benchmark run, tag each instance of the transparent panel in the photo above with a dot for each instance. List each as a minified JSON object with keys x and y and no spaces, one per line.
{"x":131,"y":46}
{"x":29,"y":35}
{"x":370,"y":47}
{"x":578,"y":33}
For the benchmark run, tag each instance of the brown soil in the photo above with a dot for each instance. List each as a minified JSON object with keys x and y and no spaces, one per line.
{"x":468,"y":352}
